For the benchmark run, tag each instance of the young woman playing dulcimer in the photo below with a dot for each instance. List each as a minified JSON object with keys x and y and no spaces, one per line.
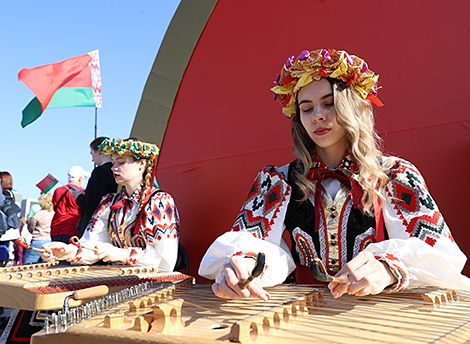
{"x":367,"y":217}
{"x":138,"y":225}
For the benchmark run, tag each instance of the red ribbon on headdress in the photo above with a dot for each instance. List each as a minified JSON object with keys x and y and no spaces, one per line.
{"x":319,"y":174}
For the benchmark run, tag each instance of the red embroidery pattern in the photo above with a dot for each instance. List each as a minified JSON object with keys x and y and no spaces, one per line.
{"x":105,"y":201}
{"x":394,"y":261}
{"x":391,"y":257}
{"x":257,"y":225}
{"x":131,"y":260}
{"x":162,"y":219}
{"x":265,"y":200}
{"x":413,"y":204}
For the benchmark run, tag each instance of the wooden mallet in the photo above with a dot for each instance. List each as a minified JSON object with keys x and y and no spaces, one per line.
{"x":75,"y":241}
{"x":257,"y":270}
{"x":319,"y":272}
{"x":22,"y":242}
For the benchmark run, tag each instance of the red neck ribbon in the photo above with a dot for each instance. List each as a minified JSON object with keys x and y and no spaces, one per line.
{"x":319,"y":174}
{"x":119,"y":204}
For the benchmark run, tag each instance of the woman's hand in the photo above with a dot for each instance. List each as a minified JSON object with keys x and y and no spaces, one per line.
{"x":366,"y":276}
{"x":57,"y":250}
{"x":237,"y":268}
{"x":110,"y":253}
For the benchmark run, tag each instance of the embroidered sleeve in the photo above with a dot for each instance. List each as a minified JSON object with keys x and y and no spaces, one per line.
{"x":258,"y":228}
{"x":423,"y":248}
{"x":410,"y":210}
{"x":102,"y":209}
{"x":160,"y":229}
{"x":264,"y":210}
{"x":96,"y":232}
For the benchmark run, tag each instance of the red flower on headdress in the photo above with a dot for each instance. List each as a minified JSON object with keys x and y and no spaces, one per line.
{"x":286,"y":100}
{"x":287,"y":80}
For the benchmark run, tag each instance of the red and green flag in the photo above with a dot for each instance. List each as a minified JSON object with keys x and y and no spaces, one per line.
{"x":69,"y":83}
{"x":47,"y":183}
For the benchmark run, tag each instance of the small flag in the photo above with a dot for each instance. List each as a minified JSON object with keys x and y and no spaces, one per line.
{"x":47,"y":183}
{"x":69,"y":83}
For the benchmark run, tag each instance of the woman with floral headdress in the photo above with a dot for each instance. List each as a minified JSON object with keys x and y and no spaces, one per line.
{"x":137,"y":226}
{"x":366,"y":216}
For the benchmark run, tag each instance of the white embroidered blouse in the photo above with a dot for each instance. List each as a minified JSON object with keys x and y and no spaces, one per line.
{"x":419,"y":249}
{"x":155,"y":243}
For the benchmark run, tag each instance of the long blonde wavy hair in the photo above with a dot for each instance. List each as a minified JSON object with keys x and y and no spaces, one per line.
{"x":355,"y":115}
{"x":148,"y":183}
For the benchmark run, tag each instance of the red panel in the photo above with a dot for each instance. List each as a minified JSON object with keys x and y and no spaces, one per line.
{"x":225,"y":126}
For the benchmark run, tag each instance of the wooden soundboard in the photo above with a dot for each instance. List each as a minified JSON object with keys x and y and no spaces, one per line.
{"x":45,"y":286}
{"x":295,"y":314}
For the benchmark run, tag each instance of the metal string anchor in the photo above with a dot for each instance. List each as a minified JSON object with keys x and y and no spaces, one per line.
{"x":257,"y":270}
{"x":86,"y":293}
{"x":319,"y":272}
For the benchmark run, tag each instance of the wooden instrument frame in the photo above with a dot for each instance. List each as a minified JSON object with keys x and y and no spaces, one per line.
{"x":295,"y":314}
{"x":20,"y":286}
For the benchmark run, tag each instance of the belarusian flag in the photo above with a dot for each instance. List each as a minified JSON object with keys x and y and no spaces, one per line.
{"x":47,"y":183}
{"x":72,"y":82}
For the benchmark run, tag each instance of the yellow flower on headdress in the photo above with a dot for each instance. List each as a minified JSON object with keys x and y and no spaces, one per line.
{"x":309,"y":66}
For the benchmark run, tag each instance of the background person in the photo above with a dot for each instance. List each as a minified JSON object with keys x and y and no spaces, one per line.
{"x":9,"y":219}
{"x":66,"y":211}
{"x":39,"y":225}
{"x":99,"y":184}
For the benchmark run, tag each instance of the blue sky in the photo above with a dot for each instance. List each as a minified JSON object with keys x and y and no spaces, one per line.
{"x":128,"y":35}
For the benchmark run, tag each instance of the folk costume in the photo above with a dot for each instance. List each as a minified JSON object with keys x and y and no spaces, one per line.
{"x":408,"y":232}
{"x":147,"y":227}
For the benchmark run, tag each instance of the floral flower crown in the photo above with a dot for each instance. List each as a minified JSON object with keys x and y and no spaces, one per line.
{"x":313,"y":65}
{"x":138,"y":149}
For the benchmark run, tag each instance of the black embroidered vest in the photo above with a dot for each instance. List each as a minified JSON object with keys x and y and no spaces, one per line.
{"x":343,"y":231}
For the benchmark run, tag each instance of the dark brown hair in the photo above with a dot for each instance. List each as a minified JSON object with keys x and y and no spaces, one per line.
{"x":7,"y":181}
{"x":96,"y":142}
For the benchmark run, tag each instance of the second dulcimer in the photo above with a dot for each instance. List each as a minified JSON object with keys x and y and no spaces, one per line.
{"x":45,"y":286}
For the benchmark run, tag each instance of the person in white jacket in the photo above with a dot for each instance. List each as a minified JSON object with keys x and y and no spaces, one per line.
{"x":365,"y":215}
{"x":137,"y":226}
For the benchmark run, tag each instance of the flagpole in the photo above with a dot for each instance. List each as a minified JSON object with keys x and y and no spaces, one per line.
{"x":96,"y":122}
